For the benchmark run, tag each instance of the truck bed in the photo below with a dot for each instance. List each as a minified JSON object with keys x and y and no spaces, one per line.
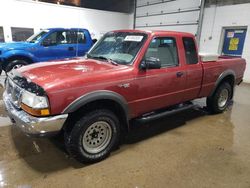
{"x":214,"y":68}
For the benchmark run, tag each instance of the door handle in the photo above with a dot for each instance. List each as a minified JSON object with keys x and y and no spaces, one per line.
{"x":179,"y":74}
{"x":71,"y":48}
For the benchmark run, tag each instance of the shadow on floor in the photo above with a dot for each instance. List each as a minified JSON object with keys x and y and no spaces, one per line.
{"x":43,"y":154}
{"x":141,"y":132}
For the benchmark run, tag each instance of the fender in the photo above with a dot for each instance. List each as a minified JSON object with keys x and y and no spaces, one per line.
{"x":221,"y":77}
{"x":23,"y":53}
{"x":98,"y":95}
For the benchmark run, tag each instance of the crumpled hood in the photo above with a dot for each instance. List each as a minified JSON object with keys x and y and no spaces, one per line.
{"x":65,"y":74}
{"x":15,"y":45}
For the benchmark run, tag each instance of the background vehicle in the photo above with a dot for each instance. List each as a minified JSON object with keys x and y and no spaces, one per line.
{"x":128,"y":75}
{"x":48,"y":44}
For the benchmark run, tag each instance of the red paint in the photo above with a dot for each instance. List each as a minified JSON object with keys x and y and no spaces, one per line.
{"x":65,"y":81}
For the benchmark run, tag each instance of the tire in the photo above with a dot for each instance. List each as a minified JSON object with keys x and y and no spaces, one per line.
{"x":15,"y":64}
{"x":93,"y":136}
{"x":219,"y":101}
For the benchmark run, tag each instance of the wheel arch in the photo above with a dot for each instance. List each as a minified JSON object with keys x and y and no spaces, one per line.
{"x":102,"y":99}
{"x":26,"y":58}
{"x":227,"y":76}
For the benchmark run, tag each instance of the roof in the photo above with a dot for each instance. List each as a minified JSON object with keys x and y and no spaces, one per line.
{"x":156,"y":32}
{"x":61,"y":28}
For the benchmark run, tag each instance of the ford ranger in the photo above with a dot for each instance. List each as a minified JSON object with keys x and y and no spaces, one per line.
{"x":48,"y":44}
{"x":127,"y":75}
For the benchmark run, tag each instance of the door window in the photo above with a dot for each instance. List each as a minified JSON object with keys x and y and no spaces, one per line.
{"x":66,"y":37}
{"x":164,"y":49}
{"x":190,"y":50}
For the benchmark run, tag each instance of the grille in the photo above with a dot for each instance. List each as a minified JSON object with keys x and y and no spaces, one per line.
{"x":15,"y":92}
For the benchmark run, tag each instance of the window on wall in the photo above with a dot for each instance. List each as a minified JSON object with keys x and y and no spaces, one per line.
{"x":1,"y":35}
{"x":63,"y":2}
{"x":21,"y":34}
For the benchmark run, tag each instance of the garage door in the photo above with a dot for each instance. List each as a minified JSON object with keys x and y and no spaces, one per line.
{"x":176,"y":15}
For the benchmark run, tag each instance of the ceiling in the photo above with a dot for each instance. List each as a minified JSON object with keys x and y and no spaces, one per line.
{"x":110,"y":5}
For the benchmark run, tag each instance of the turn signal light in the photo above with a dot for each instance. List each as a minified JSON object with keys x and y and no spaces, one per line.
{"x":35,"y":112}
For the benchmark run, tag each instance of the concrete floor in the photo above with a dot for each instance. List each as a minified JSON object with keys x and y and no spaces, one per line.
{"x":190,"y":149}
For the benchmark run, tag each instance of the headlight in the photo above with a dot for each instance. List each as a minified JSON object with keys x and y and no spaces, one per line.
{"x":35,"y":105}
{"x":34,"y":101}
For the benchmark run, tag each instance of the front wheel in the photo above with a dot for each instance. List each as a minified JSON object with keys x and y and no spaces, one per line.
{"x":219,"y":101}
{"x":15,"y":64}
{"x":93,"y":136}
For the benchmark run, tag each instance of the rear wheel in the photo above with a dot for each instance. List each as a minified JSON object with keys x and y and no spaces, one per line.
{"x":219,"y":101}
{"x":15,"y":64}
{"x":93,"y":136}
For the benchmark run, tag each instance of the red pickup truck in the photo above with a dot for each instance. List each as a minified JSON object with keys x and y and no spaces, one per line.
{"x":127,"y":75}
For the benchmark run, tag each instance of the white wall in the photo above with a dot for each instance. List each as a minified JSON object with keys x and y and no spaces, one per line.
{"x":37,"y":15}
{"x":215,"y":18}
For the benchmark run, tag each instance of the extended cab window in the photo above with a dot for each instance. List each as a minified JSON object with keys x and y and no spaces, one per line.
{"x":163,"y":48}
{"x":190,"y":50}
{"x":74,"y":37}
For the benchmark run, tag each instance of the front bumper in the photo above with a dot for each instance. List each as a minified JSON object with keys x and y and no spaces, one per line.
{"x":33,"y":126}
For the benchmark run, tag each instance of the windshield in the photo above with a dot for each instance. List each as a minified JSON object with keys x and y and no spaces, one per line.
{"x":37,"y":36}
{"x":120,"y":47}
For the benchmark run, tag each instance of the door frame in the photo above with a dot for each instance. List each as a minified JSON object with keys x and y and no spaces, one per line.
{"x":222,"y":35}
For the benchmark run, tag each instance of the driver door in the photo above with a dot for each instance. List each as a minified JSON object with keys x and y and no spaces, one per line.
{"x":159,"y":88}
{"x":56,"y":46}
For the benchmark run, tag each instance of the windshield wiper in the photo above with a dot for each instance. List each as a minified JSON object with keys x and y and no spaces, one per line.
{"x":88,"y":55}
{"x":107,"y":59}
{"x":102,"y":57}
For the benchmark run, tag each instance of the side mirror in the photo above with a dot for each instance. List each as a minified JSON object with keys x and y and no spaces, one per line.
{"x":150,"y":63}
{"x":94,"y":41}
